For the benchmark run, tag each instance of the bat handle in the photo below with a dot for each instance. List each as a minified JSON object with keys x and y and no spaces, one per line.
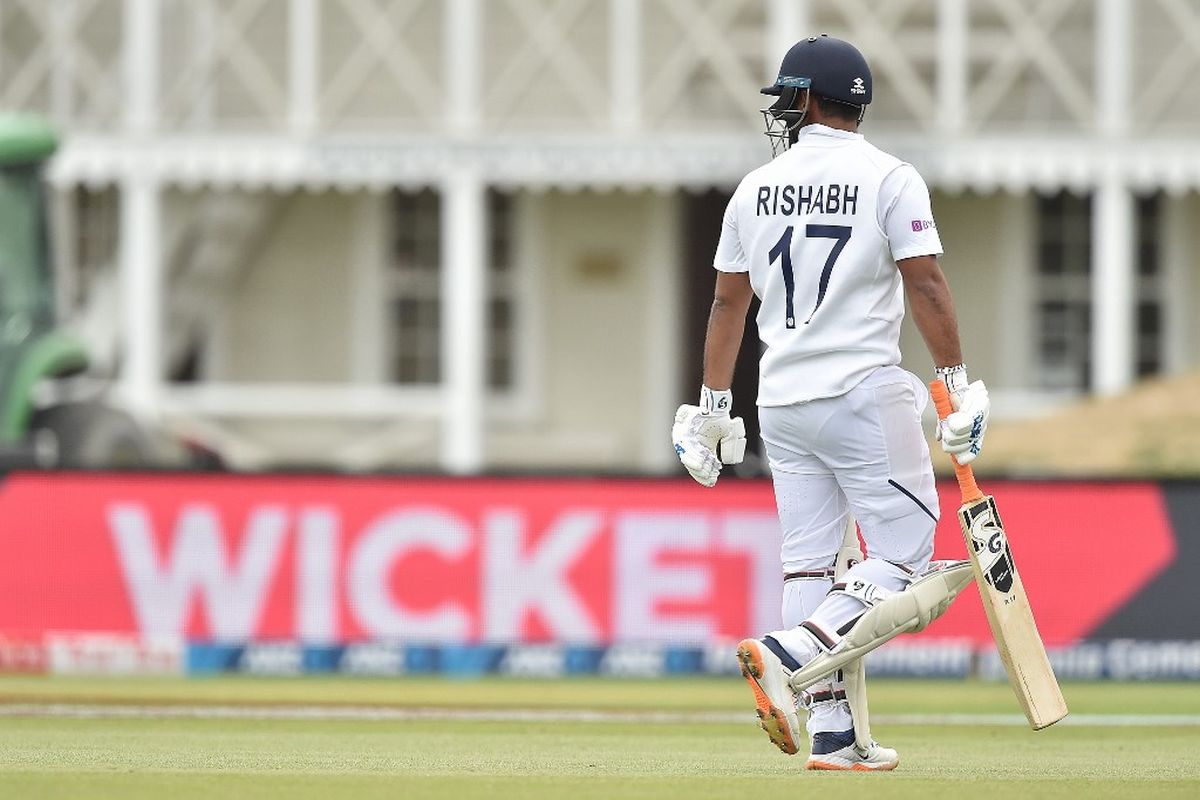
{"x":966,"y":478}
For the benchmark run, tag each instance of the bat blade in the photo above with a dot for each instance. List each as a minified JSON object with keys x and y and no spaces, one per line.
{"x":1010,"y":615}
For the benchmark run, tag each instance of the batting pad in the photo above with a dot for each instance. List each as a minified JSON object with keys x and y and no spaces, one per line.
{"x":909,"y":611}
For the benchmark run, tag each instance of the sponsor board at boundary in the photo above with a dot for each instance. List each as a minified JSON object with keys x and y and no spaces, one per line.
{"x":1119,"y":660}
{"x":89,"y":654}
{"x":69,"y":653}
{"x":597,"y":562}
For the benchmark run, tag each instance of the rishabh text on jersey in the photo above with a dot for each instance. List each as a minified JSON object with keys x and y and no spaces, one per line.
{"x":791,"y":199}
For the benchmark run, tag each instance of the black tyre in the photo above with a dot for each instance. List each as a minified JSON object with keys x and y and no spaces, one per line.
{"x":93,"y":436}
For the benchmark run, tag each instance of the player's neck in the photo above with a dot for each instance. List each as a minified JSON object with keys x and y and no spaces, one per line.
{"x":836,"y":124}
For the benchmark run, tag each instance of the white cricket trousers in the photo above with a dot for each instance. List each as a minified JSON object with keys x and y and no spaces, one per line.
{"x":862,"y":452}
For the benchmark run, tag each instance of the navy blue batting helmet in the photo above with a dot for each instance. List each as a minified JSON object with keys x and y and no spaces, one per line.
{"x":827,"y":67}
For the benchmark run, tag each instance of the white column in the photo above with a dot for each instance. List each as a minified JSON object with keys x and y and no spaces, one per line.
{"x":952,"y":64}
{"x":462,"y":65}
{"x":787,"y":23}
{"x":464,"y":308}
{"x":625,"y":63}
{"x":1114,"y":294}
{"x":463,"y":234}
{"x":141,"y":216}
{"x":1113,"y":66}
{"x":1113,"y":290}
{"x":141,"y":294}
{"x":304,"y":59}
{"x":140,"y":62}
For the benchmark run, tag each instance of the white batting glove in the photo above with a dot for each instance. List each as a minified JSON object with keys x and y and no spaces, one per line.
{"x":961,"y":433}
{"x":706,"y":437}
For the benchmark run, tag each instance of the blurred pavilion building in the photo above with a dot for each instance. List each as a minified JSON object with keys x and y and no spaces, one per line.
{"x":477,"y":234}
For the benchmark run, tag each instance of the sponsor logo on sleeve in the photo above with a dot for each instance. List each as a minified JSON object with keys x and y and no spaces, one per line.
{"x":919,"y":225}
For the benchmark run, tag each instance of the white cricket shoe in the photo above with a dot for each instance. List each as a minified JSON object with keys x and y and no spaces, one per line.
{"x":837,"y":751}
{"x":773,"y":695}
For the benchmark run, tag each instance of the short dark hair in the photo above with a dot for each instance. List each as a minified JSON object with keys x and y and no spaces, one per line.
{"x":846,"y":112}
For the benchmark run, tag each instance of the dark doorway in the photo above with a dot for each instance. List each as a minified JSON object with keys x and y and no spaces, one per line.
{"x":703,"y":212}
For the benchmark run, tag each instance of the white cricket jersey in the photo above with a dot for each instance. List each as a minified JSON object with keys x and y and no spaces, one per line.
{"x":819,"y":229}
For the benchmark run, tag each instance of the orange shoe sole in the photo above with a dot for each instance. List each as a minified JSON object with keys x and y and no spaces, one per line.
{"x":824,"y":765}
{"x":771,"y":719}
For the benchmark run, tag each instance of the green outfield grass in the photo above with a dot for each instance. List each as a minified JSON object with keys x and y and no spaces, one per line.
{"x":458,"y":758}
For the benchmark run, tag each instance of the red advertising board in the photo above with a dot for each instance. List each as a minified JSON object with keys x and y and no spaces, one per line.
{"x":336,"y":559}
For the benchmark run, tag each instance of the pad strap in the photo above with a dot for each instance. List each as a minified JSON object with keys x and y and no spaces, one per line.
{"x":822,"y":637}
{"x":864,"y":591}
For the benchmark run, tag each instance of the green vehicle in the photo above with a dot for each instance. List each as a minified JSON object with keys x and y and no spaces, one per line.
{"x":34,"y":349}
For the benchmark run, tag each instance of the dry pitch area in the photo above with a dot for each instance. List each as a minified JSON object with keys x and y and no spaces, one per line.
{"x":499,"y":738}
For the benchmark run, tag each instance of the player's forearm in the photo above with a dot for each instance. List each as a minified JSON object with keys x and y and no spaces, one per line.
{"x":932,"y":308}
{"x":726,"y":323}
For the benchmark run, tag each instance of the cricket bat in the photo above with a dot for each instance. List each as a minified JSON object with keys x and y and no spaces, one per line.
{"x":1003,"y":595}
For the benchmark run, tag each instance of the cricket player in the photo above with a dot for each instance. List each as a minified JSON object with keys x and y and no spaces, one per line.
{"x":827,"y":235}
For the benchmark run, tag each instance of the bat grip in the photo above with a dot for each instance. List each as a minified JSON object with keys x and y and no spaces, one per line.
{"x":966,"y":478}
